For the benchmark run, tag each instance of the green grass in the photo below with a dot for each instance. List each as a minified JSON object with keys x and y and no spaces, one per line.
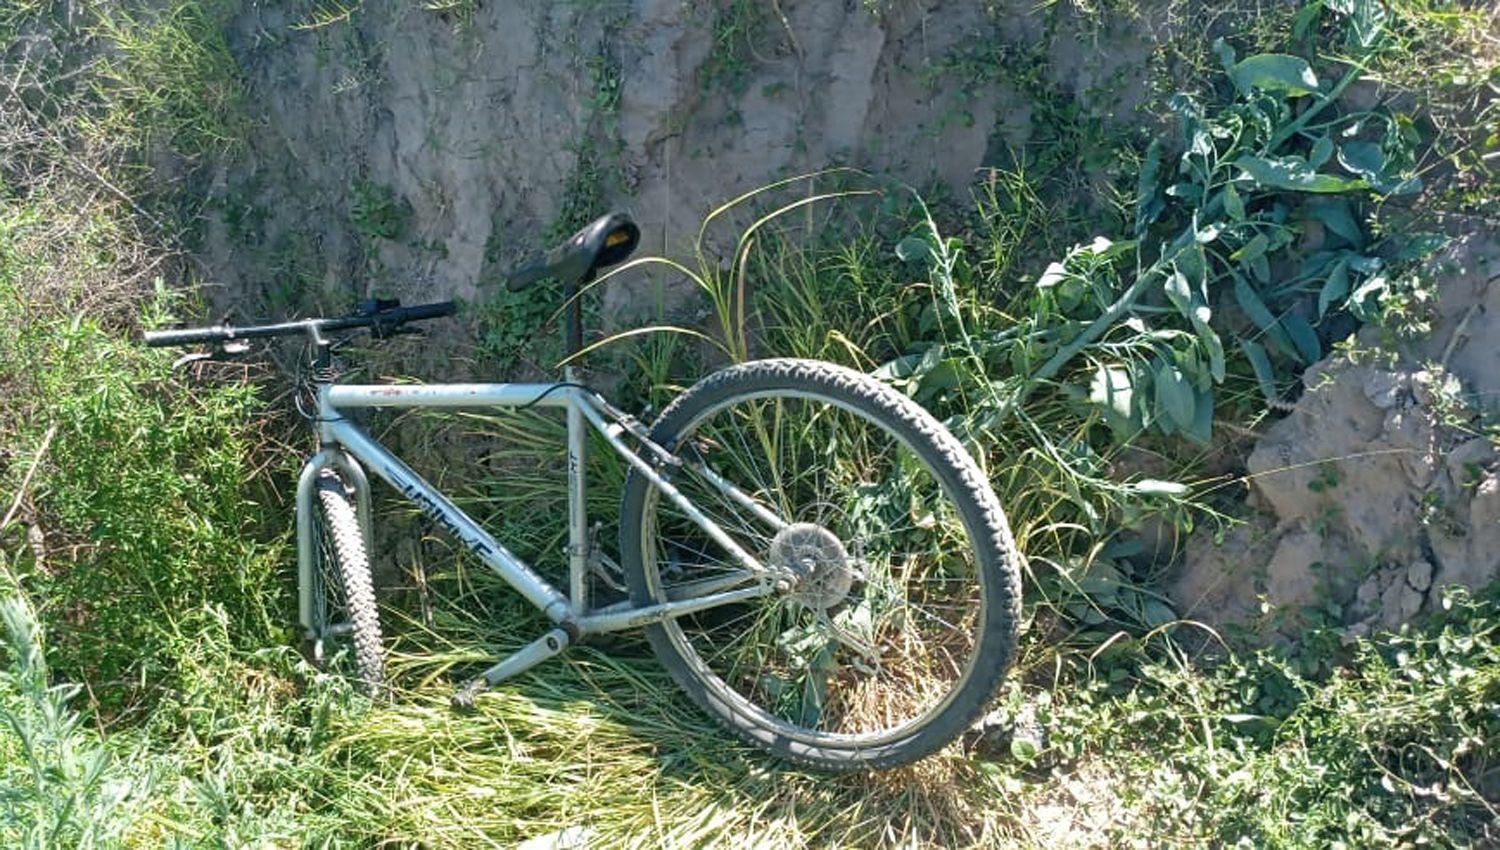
{"x":150,"y":695}
{"x":170,"y":78}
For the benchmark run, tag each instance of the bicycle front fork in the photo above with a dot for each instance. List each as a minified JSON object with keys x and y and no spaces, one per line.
{"x":353,"y":475}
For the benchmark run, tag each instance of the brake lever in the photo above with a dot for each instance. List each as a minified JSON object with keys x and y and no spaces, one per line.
{"x":224,"y":351}
{"x":190,"y":358}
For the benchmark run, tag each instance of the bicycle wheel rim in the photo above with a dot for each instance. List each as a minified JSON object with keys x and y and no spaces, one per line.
{"x":942,"y":486}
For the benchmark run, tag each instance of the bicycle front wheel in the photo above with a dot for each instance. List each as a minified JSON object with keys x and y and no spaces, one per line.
{"x":899,"y":612}
{"x":346,"y":624}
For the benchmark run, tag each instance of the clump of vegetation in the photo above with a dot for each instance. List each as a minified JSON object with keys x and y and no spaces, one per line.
{"x":1262,"y":197}
{"x":64,"y":787}
{"x":378,"y":212}
{"x":168,"y":77}
{"x":136,"y":542}
{"x":734,"y":30}
{"x":144,"y":521}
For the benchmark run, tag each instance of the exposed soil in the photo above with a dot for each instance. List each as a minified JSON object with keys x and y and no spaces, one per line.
{"x":1375,"y":491}
{"x":486,"y":128}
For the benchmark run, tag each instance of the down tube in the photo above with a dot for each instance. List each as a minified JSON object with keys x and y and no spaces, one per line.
{"x":442,"y":510}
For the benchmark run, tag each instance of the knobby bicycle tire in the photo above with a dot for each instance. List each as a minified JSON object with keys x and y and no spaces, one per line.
{"x":995,"y":557}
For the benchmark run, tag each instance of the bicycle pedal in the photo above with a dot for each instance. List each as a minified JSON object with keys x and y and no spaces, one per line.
{"x":464,"y":699}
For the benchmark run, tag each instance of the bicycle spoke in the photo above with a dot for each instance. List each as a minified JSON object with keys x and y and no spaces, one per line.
{"x":908,"y":623}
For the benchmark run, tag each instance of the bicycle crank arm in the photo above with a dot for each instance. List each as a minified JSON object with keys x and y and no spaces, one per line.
{"x":518,"y":662}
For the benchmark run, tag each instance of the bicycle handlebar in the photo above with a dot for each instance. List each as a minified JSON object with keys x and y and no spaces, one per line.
{"x":384,"y":317}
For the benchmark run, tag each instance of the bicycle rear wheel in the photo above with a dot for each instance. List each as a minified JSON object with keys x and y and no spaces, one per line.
{"x":346,"y":624}
{"x":901,"y":615}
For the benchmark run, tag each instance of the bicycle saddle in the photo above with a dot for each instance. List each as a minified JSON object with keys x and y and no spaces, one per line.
{"x":601,"y":243}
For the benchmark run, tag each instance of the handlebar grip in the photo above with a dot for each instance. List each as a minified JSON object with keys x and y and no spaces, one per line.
{"x":428,"y":311}
{"x":185,"y":336}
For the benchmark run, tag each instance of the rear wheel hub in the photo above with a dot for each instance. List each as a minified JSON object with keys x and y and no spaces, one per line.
{"x":818,"y":562}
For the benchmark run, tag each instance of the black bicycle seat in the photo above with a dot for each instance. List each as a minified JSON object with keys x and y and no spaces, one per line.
{"x":600,"y":244}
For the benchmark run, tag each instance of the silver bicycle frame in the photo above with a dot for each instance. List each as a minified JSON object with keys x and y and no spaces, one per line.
{"x":348,"y":449}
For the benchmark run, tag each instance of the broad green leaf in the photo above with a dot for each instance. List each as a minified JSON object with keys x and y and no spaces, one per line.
{"x":1261,"y":268}
{"x":1256,"y":247}
{"x":1334,"y":288}
{"x":1253,"y":306}
{"x":1192,"y":369}
{"x":1291,"y":172}
{"x":945,"y":375}
{"x":1306,"y":21}
{"x":1316,"y":265}
{"x":1201,"y":431}
{"x":1210,"y":339}
{"x":1023,"y":750}
{"x":1148,"y":204}
{"x":1233,"y":204}
{"x":1303,"y":337}
{"x":1155,"y":612}
{"x":1368,"y":160}
{"x":1192,"y":262}
{"x":1191,"y":192}
{"x":1262,"y":366}
{"x":1364,"y":159}
{"x":1276,"y":72}
{"x":1338,"y":220}
{"x":1419,"y":246}
{"x":1123,"y":548}
{"x":1409,"y":186}
{"x":1102,"y":580}
{"x":1322,"y":150}
{"x":1174,"y":396}
{"x":1112,"y":389}
{"x":914,"y":249}
{"x":900,"y":367}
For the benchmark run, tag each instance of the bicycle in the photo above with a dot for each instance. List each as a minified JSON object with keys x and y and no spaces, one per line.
{"x":816,"y":560}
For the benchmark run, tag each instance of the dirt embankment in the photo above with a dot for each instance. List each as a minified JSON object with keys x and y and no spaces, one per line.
{"x":420,"y":153}
{"x":1378,"y":489}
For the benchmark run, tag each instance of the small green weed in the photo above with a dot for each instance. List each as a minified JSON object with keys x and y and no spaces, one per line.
{"x":736,"y":27}
{"x":378,"y":212}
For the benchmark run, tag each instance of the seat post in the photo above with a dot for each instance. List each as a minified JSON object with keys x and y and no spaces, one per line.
{"x":573,"y":321}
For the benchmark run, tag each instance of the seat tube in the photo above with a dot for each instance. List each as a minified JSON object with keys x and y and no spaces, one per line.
{"x":578,"y":532}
